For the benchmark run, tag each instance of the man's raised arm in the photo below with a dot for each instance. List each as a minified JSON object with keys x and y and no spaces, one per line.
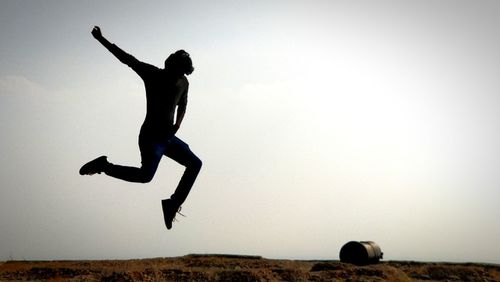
{"x":123,"y":56}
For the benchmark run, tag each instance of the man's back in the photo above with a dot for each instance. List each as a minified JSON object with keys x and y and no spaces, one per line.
{"x":164,"y":92}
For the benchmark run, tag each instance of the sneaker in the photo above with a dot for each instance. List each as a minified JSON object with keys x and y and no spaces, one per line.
{"x":95,"y":166}
{"x":170,"y":209}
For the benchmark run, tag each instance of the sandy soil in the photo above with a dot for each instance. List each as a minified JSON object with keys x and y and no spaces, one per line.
{"x":241,"y":268}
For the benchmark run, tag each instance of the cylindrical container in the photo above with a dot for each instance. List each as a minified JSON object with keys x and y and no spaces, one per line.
{"x":360,"y":253}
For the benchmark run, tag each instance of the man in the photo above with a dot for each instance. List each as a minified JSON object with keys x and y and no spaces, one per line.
{"x":166,"y":92}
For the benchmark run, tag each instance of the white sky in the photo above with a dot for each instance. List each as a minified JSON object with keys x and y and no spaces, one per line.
{"x":319,"y":122}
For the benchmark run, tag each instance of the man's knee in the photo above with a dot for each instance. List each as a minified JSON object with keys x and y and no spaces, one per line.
{"x":196,"y":163}
{"x":145,"y":179}
{"x":146,"y":176}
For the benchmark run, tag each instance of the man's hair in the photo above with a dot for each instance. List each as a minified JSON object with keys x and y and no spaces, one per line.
{"x":180,"y":61}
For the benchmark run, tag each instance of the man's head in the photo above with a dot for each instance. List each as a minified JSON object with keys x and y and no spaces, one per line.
{"x":179,"y":62}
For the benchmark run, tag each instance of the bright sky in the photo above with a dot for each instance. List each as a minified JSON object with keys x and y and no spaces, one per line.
{"x":318,"y":122}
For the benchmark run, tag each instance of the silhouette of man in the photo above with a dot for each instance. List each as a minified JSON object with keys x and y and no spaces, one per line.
{"x":166,"y":92}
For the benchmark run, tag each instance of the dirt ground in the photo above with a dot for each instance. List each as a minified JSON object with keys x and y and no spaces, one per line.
{"x":241,"y":269}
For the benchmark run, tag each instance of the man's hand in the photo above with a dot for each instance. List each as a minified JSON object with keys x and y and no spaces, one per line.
{"x":175,"y":128}
{"x":96,"y":32}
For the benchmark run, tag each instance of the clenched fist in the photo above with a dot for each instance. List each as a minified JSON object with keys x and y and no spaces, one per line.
{"x":96,"y":32}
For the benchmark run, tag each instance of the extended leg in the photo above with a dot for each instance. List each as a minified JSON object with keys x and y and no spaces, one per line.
{"x":181,"y":153}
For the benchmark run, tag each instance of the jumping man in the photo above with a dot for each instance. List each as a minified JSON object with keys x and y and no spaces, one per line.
{"x":166,"y":92}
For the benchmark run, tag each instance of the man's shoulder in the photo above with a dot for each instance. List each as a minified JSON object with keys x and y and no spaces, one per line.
{"x":150,"y":67}
{"x":146,"y":70}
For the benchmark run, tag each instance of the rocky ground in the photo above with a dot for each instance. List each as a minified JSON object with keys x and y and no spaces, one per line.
{"x":241,"y":268}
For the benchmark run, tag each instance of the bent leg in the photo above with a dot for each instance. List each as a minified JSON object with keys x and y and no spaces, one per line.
{"x":130,"y":174}
{"x":181,"y":153}
{"x":151,"y":155}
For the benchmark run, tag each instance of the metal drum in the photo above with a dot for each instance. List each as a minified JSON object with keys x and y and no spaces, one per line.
{"x":360,"y":253}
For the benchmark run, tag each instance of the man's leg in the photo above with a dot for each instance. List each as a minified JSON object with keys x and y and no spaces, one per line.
{"x":143,"y":174}
{"x":151,"y":154}
{"x":182,"y":154}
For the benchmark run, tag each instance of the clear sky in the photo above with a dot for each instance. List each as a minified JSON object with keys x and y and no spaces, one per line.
{"x":318,"y":122}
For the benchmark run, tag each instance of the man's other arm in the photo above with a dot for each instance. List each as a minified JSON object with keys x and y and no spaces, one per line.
{"x":181,"y":110}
